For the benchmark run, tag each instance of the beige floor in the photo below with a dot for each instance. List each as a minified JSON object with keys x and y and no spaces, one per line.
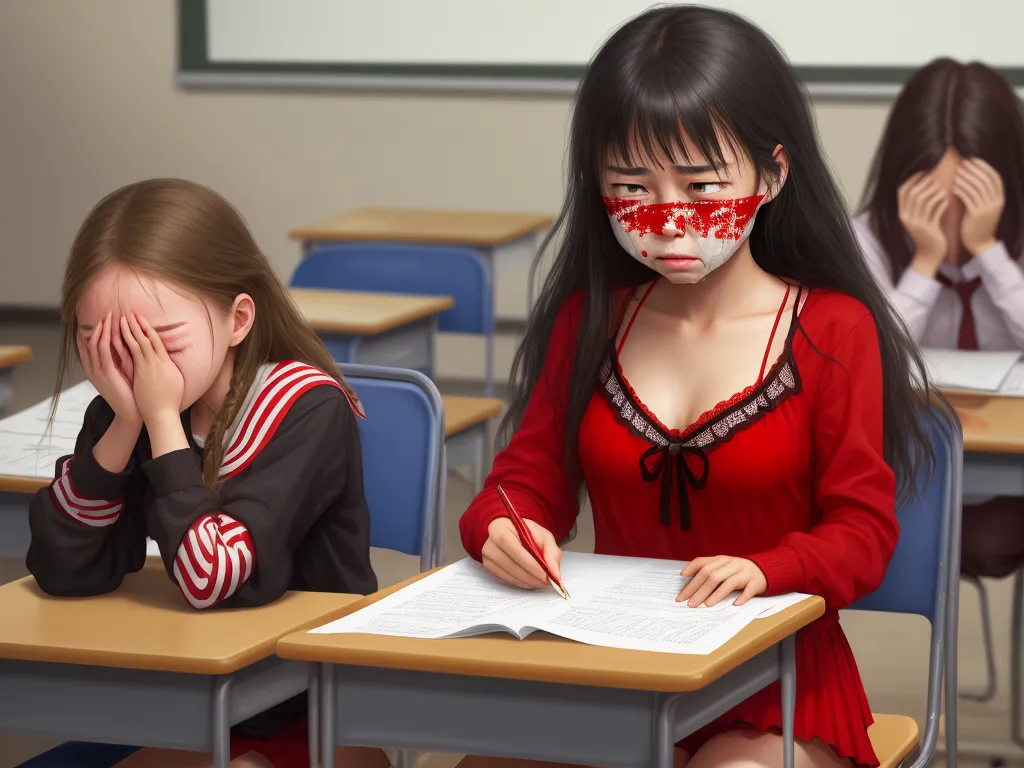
{"x":891,"y":650}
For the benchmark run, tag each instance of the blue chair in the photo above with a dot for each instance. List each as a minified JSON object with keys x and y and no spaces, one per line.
{"x":923,"y":578}
{"x":402,"y":441}
{"x":403,"y":460}
{"x":414,"y":269}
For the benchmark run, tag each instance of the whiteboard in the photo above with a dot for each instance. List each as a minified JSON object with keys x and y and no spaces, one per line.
{"x":840,"y":44}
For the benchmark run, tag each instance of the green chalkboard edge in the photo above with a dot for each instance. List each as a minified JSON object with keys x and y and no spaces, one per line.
{"x":194,"y":66}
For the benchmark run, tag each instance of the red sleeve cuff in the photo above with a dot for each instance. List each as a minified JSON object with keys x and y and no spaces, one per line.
{"x":782,"y":570}
{"x":481,"y":513}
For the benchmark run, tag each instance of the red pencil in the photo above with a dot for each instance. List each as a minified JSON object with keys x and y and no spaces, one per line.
{"x":529,"y":544}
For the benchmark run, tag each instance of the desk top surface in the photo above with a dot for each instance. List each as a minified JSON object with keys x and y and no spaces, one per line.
{"x":545,"y":658}
{"x":11,"y":356}
{"x":364,"y":314}
{"x":424,"y":226}
{"x":991,"y":424}
{"x":463,"y":412}
{"x":146,"y":624}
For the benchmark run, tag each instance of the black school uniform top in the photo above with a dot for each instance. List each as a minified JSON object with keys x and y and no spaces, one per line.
{"x":289,"y":514}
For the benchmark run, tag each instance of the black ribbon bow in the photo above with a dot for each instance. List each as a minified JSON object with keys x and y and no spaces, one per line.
{"x":669,"y":460}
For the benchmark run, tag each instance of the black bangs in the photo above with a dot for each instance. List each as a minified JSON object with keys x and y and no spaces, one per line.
{"x":649,"y":127}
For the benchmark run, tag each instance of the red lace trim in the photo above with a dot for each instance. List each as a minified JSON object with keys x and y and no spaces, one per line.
{"x":704,"y":418}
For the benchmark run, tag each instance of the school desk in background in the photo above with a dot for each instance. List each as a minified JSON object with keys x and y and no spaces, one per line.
{"x":504,"y":243}
{"x":399,"y":331}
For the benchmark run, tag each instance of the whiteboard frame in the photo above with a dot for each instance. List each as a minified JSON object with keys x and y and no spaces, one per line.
{"x":195,"y":70}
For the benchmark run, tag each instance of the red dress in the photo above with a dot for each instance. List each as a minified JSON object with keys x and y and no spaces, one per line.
{"x":789,"y":473}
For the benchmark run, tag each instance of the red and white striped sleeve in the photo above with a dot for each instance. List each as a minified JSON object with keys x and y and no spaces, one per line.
{"x":215,"y":558}
{"x":97,"y":513}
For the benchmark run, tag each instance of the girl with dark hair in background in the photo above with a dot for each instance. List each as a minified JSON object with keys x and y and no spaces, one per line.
{"x":942,"y":228}
{"x":711,"y":357}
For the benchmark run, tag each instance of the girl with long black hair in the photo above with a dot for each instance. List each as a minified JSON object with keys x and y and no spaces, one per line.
{"x":711,"y":358}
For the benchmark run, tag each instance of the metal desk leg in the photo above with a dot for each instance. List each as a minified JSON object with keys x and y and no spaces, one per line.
{"x":664,"y":731}
{"x":1016,"y":654}
{"x":222,"y":723}
{"x":788,"y":679}
{"x":326,"y":716}
{"x":313,"y":719}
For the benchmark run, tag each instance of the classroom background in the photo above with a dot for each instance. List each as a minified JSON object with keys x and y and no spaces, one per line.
{"x":88,"y":103}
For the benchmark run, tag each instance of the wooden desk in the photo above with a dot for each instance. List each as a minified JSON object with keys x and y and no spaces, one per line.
{"x":405,"y":225}
{"x":507,"y":242}
{"x":140,"y":667}
{"x":10,"y":358}
{"x":993,"y":429}
{"x":466,"y":433}
{"x":375,"y":328}
{"x":576,"y":703}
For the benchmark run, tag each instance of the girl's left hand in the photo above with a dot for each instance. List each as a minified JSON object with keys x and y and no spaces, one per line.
{"x":980,"y":188}
{"x":157,"y":385}
{"x":713,"y":578}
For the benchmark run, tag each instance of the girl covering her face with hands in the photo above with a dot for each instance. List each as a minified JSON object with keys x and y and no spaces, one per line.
{"x":223,"y":430}
{"x":942,"y":228}
{"x":711,"y":358}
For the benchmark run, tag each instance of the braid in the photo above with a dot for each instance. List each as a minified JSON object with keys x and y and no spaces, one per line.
{"x":214,"y":452}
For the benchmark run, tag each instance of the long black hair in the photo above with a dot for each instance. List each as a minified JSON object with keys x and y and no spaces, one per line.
{"x":947,"y":105}
{"x":714,"y":77}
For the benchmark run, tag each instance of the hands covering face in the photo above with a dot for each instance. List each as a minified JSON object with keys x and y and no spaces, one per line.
{"x":125,"y":359}
{"x":922,"y":202}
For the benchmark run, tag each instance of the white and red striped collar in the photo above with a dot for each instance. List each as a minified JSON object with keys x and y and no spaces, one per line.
{"x":273,"y":392}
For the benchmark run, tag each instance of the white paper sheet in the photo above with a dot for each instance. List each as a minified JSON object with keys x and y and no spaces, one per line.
{"x":615,"y":602}
{"x":980,"y":371}
{"x":637,"y":610}
{"x":1013,"y":384}
{"x":30,"y":447}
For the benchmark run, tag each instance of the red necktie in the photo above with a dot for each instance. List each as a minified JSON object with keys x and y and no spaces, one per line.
{"x":968,"y":338}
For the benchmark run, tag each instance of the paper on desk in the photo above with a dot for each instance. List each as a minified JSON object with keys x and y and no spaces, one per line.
{"x":637,"y":610}
{"x":616,"y":602}
{"x":1013,"y":384}
{"x":30,"y":447}
{"x":980,"y":371}
{"x":464,"y":598}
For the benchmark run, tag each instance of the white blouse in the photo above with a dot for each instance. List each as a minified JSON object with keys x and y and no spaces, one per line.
{"x":932,"y":312}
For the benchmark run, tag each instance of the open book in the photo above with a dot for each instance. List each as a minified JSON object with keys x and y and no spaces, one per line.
{"x":618,"y":602}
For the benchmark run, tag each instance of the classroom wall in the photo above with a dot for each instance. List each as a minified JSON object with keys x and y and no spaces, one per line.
{"x":88,"y":103}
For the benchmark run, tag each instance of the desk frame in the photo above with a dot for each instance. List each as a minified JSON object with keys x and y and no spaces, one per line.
{"x":1001,"y":474}
{"x":143,"y":707}
{"x":374,"y":706}
{"x":410,"y":346}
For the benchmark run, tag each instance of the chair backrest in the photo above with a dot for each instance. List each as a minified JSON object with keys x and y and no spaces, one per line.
{"x":923,"y":574}
{"x":402,"y":441}
{"x":916,"y":575}
{"x":407,"y":268}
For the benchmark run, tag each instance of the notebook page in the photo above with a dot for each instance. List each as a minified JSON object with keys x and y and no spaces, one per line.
{"x":980,"y":371}
{"x":460,"y":599}
{"x":464,"y":599}
{"x":637,"y":610}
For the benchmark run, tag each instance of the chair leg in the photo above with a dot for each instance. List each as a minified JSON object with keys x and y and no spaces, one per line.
{"x":405,"y":758}
{"x":989,"y":691}
{"x":1017,"y":657}
{"x":478,"y":472}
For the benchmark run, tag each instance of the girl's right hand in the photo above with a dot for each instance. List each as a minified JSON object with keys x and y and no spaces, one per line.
{"x":920,"y":205}
{"x":504,"y":555}
{"x":110,"y":376}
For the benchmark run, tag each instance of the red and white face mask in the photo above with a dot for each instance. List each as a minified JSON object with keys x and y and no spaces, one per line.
{"x":684,"y":238}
